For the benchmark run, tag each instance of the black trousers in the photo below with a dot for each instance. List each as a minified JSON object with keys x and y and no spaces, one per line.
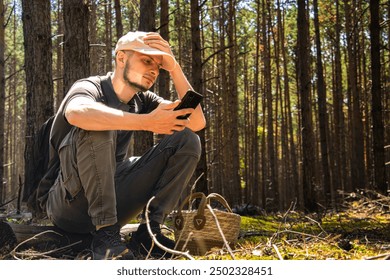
{"x":93,"y":189}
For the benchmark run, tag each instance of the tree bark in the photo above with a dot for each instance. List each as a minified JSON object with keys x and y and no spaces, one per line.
{"x":376,"y":106}
{"x":59,"y":85}
{"x":340,"y":166}
{"x":76,"y":44}
{"x":143,"y":140}
{"x":273,"y":188}
{"x":235,"y":184}
{"x":2,"y":97}
{"x":256,"y":193}
{"x":197,"y":83}
{"x":147,"y":20}
{"x":308,"y":159}
{"x":322,"y":111}
{"x":38,"y":63}
{"x":164,"y":79}
{"x":355,"y":118}
{"x":118,"y":19}
{"x":108,"y":36}
{"x":95,"y":56}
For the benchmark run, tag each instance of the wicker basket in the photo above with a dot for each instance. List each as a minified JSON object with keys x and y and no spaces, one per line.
{"x":197,"y":229}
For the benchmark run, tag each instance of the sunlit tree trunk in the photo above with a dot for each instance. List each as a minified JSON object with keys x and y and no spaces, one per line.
{"x":197,"y":81}
{"x":256,"y":193}
{"x":59,"y":53}
{"x":355,"y":117}
{"x":272,"y":189}
{"x":340,"y":171}
{"x":235,"y":184}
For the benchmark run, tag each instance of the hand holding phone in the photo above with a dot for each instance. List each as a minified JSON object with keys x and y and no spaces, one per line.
{"x":190,"y":100}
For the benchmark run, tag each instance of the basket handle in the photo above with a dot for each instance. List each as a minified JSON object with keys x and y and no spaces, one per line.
{"x":199,"y":219}
{"x":220,"y":199}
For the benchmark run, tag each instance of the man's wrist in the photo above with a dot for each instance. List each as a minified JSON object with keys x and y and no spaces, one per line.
{"x":174,"y":67}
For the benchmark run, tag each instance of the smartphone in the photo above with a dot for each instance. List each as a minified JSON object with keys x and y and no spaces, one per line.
{"x":190,"y":100}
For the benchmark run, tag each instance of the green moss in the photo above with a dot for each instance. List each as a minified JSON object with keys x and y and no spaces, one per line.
{"x":263,"y":223}
{"x":296,"y":236}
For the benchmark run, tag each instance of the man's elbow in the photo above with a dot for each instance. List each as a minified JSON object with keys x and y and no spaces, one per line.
{"x":199,"y":126}
{"x":73,"y":117}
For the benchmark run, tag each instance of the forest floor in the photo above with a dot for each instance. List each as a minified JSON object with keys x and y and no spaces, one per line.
{"x":361,"y":230}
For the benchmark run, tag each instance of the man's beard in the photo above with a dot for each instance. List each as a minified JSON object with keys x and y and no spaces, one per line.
{"x":134,"y":85}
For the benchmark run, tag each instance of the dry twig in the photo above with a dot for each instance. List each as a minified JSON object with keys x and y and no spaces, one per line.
{"x":221,"y":231}
{"x":175,"y":252}
{"x":15,"y":254}
{"x":277,"y":252}
{"x":381,"y":256}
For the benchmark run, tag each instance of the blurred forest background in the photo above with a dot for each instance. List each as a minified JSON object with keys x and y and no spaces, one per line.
{"x":297,"y":93}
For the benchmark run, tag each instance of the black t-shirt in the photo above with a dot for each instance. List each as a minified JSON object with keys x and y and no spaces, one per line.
{"x":100,"y":89}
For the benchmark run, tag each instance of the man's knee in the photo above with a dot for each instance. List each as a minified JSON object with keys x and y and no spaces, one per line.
{"x":96,"y":144}
{"x":192,"y":144}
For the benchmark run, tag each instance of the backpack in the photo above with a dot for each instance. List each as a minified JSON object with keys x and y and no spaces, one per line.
{"x":38,"y":165}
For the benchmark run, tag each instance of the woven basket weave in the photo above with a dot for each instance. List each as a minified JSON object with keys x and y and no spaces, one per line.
{"x":197,"y":229}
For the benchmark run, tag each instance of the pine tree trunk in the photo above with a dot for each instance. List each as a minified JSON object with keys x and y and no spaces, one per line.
{"x":59,"y":85}
{"x":95,"y":48}
{"x":308,"y":159}
{"x":118,"y":19}
{"x":233,"y":107}
{"x":143,"y":140}
{"x":164,"y":79}
{"x":357,"y":145}
{"x":2,"y":98}
{"x":322,"y":111}
{"x":147,"y":20}
{"x":376,"y":93}
{"x":201,"y":170}
{"x":108,"y":36}
{"x":224,"y":117}
{"x":38,"y":63}
{"x":76,"y":44}
{"x":339,"y":149}
{"x":273,"y":190}
{"x":256,"y":194}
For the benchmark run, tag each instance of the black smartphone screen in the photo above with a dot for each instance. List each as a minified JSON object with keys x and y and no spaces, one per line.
{"x":190,"y":100}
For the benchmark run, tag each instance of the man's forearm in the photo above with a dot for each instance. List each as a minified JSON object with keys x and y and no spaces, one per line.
{"x":182,"y":85}
{"x":97,"y":116}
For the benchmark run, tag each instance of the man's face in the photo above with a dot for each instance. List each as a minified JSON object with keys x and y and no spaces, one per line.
{"x":141,"y":71}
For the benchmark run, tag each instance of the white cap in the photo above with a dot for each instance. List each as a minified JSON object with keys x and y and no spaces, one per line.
{"x":134,"y":41}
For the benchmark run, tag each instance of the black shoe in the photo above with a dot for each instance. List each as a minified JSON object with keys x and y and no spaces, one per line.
{"x":141,"y":243}
{"x":107,"y":244}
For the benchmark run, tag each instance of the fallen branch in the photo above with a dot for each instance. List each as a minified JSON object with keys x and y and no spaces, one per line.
{"x":220,"y":231}
{"x":381,"y":256}
{"x":14,"y":252}
{"x":277,"y":252}
{"x":301,"y":233}
{"x":175,"y":252}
